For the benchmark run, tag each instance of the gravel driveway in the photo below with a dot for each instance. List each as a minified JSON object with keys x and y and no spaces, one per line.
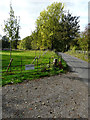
{"x":61,"y":96}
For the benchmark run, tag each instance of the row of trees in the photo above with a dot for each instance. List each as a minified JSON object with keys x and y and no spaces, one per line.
{"x":55,"y":29}
{"x":81,"y":42}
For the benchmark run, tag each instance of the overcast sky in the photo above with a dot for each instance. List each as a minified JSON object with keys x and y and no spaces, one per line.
{"x":29,"y":10}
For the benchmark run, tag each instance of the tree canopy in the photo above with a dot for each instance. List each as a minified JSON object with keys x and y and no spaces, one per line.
{"x":47,"y":24}
{"x":55,"y":29}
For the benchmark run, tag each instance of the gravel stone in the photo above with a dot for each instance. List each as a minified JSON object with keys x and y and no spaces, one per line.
{"x":61,"y":96}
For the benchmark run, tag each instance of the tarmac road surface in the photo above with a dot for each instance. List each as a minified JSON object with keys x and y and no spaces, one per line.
{"x":79,"y":67}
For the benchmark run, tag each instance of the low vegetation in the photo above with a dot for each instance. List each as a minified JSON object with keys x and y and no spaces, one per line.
{"x":82,"y":56}
{"x":18,"y":74}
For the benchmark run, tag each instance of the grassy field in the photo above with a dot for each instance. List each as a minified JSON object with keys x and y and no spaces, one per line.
{"x":81,"y":56}
{"x":43,"y":66}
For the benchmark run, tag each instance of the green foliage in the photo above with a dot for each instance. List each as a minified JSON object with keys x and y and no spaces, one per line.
{"x":25,"y":43}
{"x":83,"y":40}
{"x":47,"y":24}
{"x":11,"y":28}
{"x":69,"y":32}
{"x":81,"y":56}
{"x":27,"y":58}
{"x":5,"y":42}
{"x":55,"y":29}
{"x":35,"y":40}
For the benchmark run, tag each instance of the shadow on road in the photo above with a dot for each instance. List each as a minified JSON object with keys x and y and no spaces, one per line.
{"x":78,"y":78}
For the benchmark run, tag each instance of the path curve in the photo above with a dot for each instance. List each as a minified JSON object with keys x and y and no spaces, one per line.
{"x":78,"y":66}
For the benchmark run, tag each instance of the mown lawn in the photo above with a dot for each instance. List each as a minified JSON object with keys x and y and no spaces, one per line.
{"x":43,"y":66}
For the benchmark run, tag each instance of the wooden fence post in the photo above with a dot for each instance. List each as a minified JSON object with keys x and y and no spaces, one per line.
{"x":9,"y":65}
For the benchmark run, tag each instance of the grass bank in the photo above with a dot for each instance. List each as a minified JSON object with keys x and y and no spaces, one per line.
{"x":82,"y":56}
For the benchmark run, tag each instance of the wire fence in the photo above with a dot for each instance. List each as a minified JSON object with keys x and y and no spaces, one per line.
{"x":22,"y":65}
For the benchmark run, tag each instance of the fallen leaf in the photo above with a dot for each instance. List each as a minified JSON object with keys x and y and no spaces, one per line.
{"x":31,"y":109}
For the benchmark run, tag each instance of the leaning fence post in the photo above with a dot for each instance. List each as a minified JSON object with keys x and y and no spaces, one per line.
{"x":9,"y":65}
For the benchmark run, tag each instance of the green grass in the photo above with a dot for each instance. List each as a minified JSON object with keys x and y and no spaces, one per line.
{"x":18,"y":76}
{"x":81,"y":56}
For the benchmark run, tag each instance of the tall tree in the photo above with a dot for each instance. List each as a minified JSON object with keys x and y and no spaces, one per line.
{"x":69,"y":30}
{"x":11,"y":27}
{"x":48,"y":22}
{"x":56,"y":28}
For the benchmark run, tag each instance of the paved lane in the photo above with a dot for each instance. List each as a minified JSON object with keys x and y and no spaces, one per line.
{"x":79,"y":67}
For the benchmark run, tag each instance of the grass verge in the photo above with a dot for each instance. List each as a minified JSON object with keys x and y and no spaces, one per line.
{"x":81,"y":56}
